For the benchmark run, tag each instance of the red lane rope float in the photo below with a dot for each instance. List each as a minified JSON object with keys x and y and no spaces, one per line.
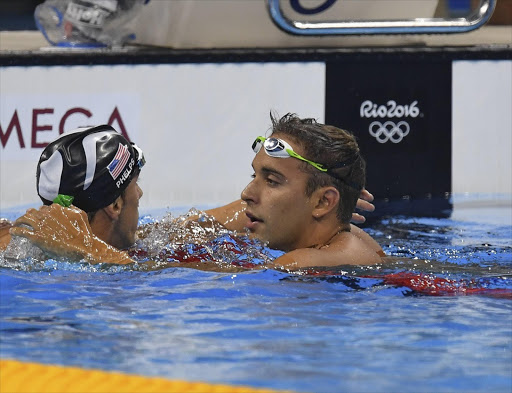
{"x":24,"y":377}
{"x":429,"y":284}
{"x":421,"y":283}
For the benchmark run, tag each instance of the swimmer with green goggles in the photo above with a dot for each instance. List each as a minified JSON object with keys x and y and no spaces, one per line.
{"x":279,"y":148}
{"x":299,"y":213}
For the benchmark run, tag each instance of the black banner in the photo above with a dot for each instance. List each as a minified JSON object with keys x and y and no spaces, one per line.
{"x":400,"y":112}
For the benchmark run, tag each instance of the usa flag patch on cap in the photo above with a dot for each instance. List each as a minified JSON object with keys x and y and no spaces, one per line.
{"x":118,"y":163}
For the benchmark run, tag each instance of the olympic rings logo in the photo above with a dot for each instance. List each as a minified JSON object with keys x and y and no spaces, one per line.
{"x":389,"y":131}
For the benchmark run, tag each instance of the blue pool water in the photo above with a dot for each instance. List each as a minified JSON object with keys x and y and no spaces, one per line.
{"x":347,"y":330}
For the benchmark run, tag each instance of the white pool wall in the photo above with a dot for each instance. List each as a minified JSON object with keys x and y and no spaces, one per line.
{"x":196,"y":123}
{"x":482,"y":127}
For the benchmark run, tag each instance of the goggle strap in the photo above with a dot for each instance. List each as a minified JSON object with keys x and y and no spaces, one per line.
{"x":350,"y":184}
{"x":345,"y":163}
{"x":318,"y":166}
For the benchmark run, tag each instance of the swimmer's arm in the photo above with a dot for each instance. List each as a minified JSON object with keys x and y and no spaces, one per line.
{"x":5,"y":236}
{"x":232,"y":215}
{"x":66,"y":232}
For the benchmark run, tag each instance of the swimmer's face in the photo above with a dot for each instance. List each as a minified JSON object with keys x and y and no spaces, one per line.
{"x":278,"y":209}
{"x":126,"y":224}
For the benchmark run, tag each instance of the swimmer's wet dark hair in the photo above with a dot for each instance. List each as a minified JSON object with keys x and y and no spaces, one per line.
{"x":329,"y":146}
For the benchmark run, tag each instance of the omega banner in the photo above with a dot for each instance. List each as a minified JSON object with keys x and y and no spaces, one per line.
{"x":401,"y":115}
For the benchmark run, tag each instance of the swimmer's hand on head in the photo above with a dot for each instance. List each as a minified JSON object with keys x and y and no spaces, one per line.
{"x":65,"y":232}
{"x":364,"y":204}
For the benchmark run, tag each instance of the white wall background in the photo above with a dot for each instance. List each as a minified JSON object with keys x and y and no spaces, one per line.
{"x":195,"y":122}
{"x":482,"y":127}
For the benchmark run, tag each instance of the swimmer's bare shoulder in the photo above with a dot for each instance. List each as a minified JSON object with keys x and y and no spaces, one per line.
{"x":367,"y":239}
{"x":347,"y":249}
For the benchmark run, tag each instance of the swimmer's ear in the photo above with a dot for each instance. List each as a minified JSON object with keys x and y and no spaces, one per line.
{"x":325,"y":200}
{"x":114,"y":209}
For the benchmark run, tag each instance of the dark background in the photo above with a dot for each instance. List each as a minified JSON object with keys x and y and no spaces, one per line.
{"x":18,"y":14}
{"x":413,"y":176}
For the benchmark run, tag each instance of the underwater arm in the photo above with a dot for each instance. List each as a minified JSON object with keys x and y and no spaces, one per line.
{"x":66,"y":232}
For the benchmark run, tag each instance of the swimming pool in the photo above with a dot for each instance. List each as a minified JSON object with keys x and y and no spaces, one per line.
{"x":373,"y":329}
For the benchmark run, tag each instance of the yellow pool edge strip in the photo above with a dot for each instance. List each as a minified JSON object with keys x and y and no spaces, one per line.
{"x":26,"y":377}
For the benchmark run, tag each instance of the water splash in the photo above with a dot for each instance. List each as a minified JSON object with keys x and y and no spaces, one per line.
{"x":425,"y":256}
{"x":195,"y":238}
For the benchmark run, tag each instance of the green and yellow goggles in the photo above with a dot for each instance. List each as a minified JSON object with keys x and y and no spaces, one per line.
{"x":275,"y":147}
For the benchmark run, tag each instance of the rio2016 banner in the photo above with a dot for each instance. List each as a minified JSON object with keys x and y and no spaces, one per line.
{"x":401,"y":115}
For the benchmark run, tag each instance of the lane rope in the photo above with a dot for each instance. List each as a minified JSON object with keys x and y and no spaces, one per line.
{"x":26,"y":377}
